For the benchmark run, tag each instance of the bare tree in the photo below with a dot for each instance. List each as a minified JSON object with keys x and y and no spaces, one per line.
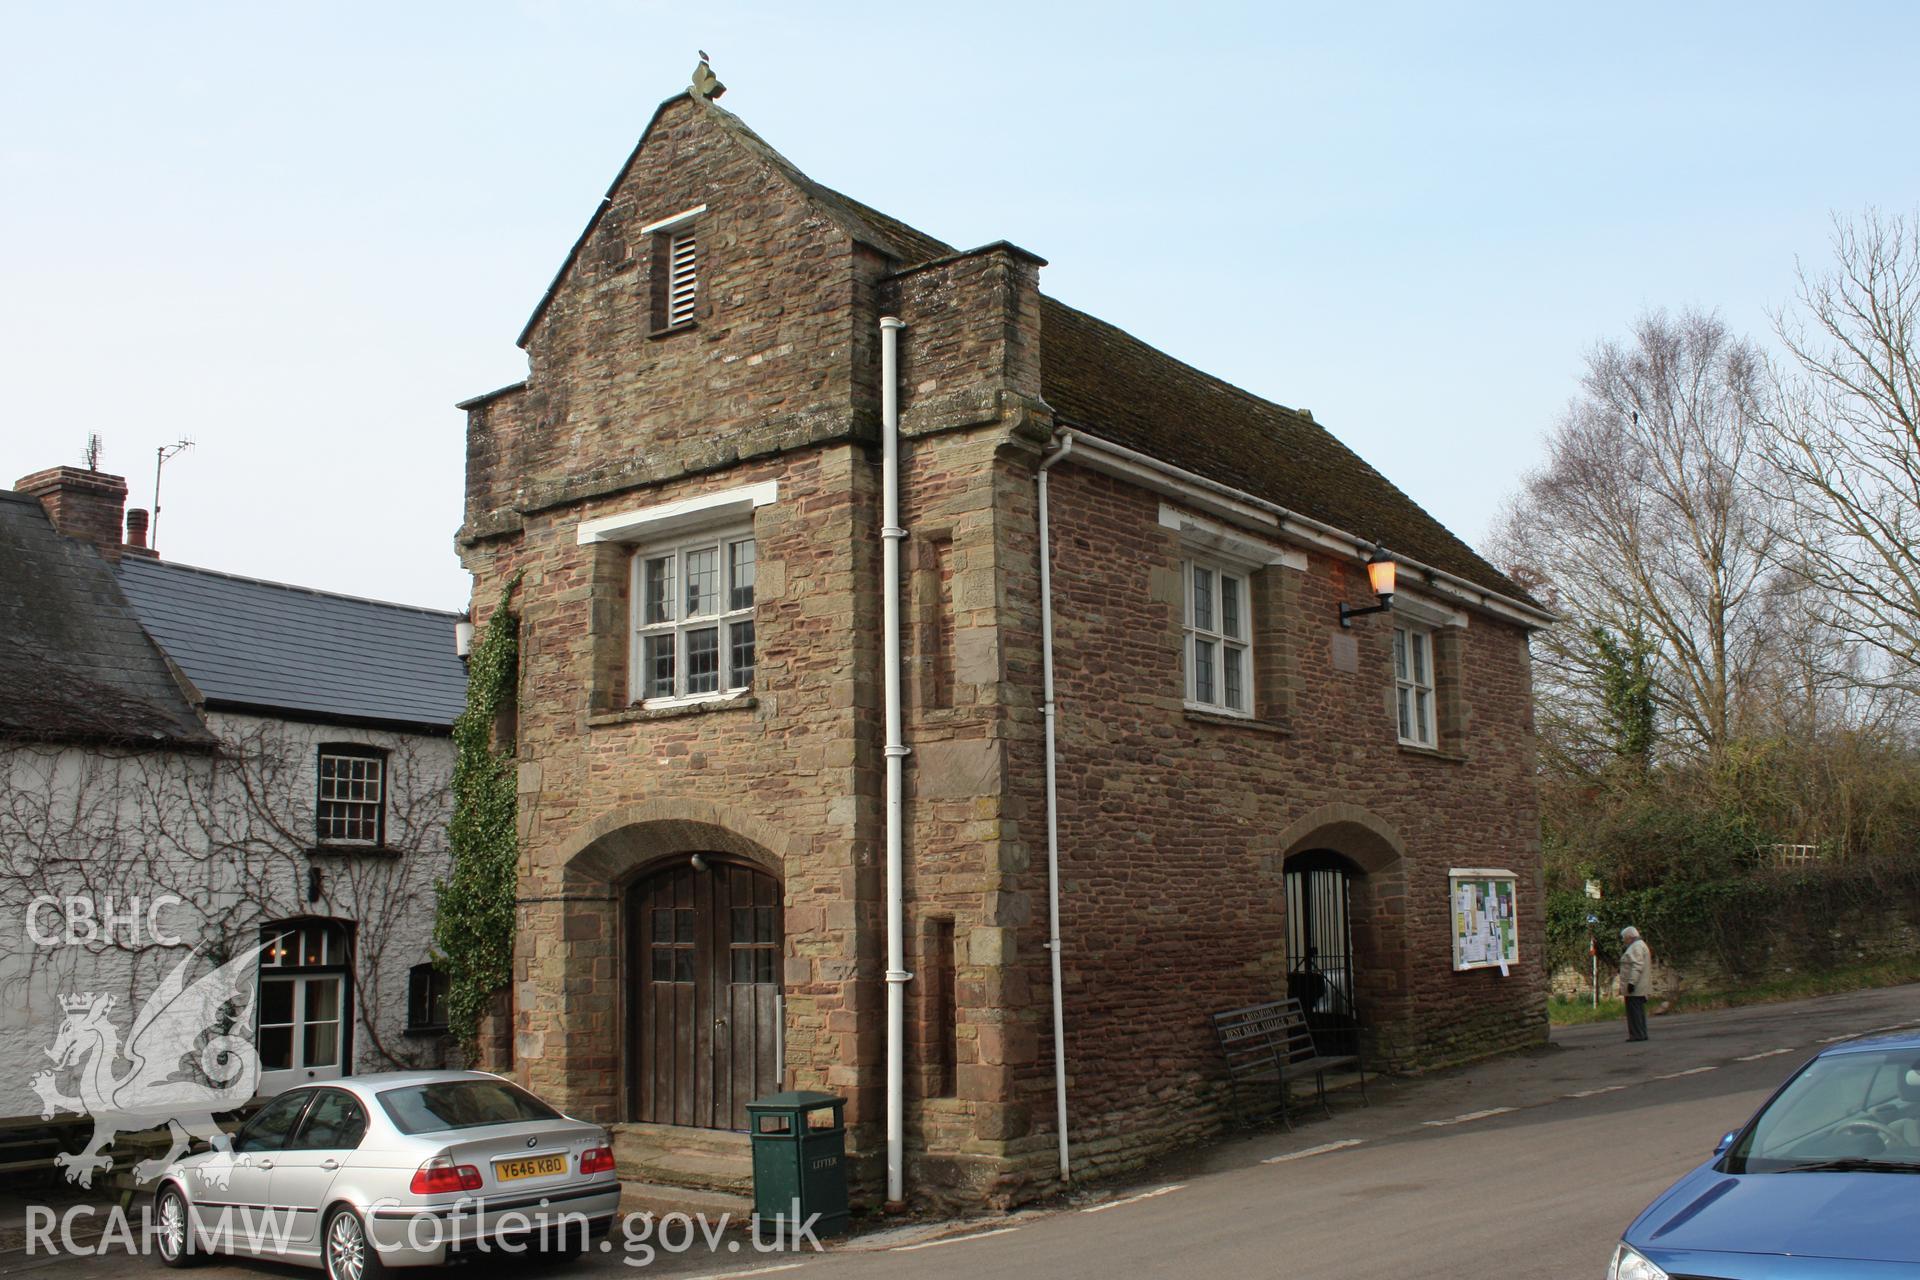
{"x":1843,"y":439}
{"x":1645,"y":522}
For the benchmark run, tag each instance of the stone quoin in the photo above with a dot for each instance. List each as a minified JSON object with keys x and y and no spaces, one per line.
{"x":689,"y":480}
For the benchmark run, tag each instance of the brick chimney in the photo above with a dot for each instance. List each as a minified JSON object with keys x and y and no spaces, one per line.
{"x":137,"y":534}
{"x":82,"y":504}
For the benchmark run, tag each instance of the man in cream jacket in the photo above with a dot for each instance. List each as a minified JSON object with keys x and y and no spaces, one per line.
{"x":1636,"y":975}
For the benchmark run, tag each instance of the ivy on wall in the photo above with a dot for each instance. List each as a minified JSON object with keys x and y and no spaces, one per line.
{"x":474,"y":925}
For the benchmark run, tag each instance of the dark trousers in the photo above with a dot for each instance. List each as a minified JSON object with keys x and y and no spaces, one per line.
{"x":1636,"y":1017}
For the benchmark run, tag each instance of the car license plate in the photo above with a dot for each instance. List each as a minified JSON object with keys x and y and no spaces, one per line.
{"x":530,"y":1167}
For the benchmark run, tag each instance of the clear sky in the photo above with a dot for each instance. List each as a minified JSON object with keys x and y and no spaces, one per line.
{"x":297,"y":233}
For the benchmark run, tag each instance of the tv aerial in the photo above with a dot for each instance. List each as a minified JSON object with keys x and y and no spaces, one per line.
{"x":162,"y":453}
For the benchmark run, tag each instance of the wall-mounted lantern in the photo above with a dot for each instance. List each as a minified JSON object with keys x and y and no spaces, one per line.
{"x":463,"y":638}
{"x":1380,"y":576}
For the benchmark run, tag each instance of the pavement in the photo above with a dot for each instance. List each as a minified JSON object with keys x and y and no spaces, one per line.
{"x":1525,"y":1165}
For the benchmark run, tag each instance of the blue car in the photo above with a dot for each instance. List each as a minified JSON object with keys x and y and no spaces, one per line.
{"x":1822,"y":1184}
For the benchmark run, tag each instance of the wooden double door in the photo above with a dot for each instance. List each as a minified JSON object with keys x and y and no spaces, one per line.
{"x":704,"y":947}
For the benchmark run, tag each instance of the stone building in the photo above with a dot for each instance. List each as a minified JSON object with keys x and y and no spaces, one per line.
{"x":1252,"y":798}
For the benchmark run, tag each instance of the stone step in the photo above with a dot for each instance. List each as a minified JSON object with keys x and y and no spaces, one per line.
{"x":695,"y":1169}
{"x":672,"y":1156}
{"x":660,"y":1200}
{"x":665,"y":1137}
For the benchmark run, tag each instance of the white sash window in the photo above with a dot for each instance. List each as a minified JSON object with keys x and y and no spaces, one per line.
{"x":1219,"y":638}
{"x":693,"y":618}
{"x":1413,"y":685}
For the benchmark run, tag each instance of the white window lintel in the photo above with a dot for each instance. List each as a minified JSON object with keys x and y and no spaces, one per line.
{"x":645,"y":523}
{"x":1421,"y":611}
{"x":1206,"y":535}
{"x":677,"y":220}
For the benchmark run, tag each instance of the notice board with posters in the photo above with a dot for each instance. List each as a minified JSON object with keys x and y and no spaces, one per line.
{"x":1486,"y":924}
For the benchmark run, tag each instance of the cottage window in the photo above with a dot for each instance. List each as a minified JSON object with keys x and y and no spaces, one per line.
{"x":427,"y":992}
{"x":693,"y":633}
{"x":1219,"y":638}
{"x":1413,"y":681}
{"x":351,"y":807}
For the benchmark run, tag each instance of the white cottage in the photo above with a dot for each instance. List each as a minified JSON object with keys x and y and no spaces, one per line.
{"x":196,"y":760}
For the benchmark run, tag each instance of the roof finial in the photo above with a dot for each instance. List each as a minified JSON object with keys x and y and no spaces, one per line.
{"x":706,"y":85}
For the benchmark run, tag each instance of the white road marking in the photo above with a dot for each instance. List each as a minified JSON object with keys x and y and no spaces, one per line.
{"x":1588,"y":1093}
{"x":1145,"y":1195}
{"x":935,"y":1244}
{"x":757,"y":1271}
{"x":1471,"y":1115}
{"x":1755,"y":1057}
{"x":1692,"y":1071}
{"x":1874,"y":1031}
{"x":1314,"y":1151}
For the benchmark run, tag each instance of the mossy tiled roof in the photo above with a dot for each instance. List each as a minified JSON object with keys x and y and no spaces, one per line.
{"x":76,"y":665}
{"x":1118,"y":388}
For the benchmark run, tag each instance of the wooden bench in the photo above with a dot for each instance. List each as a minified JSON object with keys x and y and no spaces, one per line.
{"x":1272,"y":1044}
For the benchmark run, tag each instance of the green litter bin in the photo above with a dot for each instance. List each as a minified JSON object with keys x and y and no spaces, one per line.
{"x":799,"y":1161}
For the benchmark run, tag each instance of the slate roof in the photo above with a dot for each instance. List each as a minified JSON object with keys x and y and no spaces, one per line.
{"x":1116,"y":387}
{"x":75,"y":665}
{"x":247,"y":643}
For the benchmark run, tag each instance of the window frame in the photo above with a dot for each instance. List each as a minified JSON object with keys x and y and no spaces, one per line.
{"x":246,"y":1138}
{"x":721,"y":539}
{"x":1410,"y":685}
{"x":666,"y":237}
{"x":298,"y":1139}
{"x":425,"y":975}
{"x":1192,"y":635}
{"x":678,"y":312}
{"x":349,"y":751}
{"x":336,"y":944}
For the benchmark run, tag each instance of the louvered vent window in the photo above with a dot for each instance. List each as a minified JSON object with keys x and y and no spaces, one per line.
{"x":683,"y":279}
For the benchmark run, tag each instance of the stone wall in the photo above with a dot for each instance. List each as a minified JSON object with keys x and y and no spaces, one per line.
{"x":1797,"y":941}
{"x":611,"y":403}
{"x":1175,"y":825}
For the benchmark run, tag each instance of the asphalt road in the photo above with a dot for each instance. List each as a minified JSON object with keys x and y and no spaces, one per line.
{"x":1523,"y":1167}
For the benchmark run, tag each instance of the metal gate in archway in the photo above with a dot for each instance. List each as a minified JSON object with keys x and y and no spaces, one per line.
{"x":1320,"y":961}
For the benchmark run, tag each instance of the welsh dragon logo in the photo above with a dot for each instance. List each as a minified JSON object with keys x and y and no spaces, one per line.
{"x":184,"y":1065}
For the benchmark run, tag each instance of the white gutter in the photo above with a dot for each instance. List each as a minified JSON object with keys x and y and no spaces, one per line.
{"x":891,"y":535}
{"x":1237,"y":504}
{"x":1053,"y":807}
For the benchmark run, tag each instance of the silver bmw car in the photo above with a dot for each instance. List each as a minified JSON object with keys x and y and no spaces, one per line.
{"x":398,"y":1169}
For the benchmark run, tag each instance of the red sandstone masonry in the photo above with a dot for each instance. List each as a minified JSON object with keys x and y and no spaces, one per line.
{"x":1174,"y":828}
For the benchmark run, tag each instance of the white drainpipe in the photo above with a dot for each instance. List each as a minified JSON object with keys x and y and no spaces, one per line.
{"x":891,"y":535}
{"x":1053,"y":806}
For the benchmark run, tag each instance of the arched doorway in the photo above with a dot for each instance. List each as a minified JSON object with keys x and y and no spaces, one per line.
{"x":1321,"y":969}
{"x":704,"y":945}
